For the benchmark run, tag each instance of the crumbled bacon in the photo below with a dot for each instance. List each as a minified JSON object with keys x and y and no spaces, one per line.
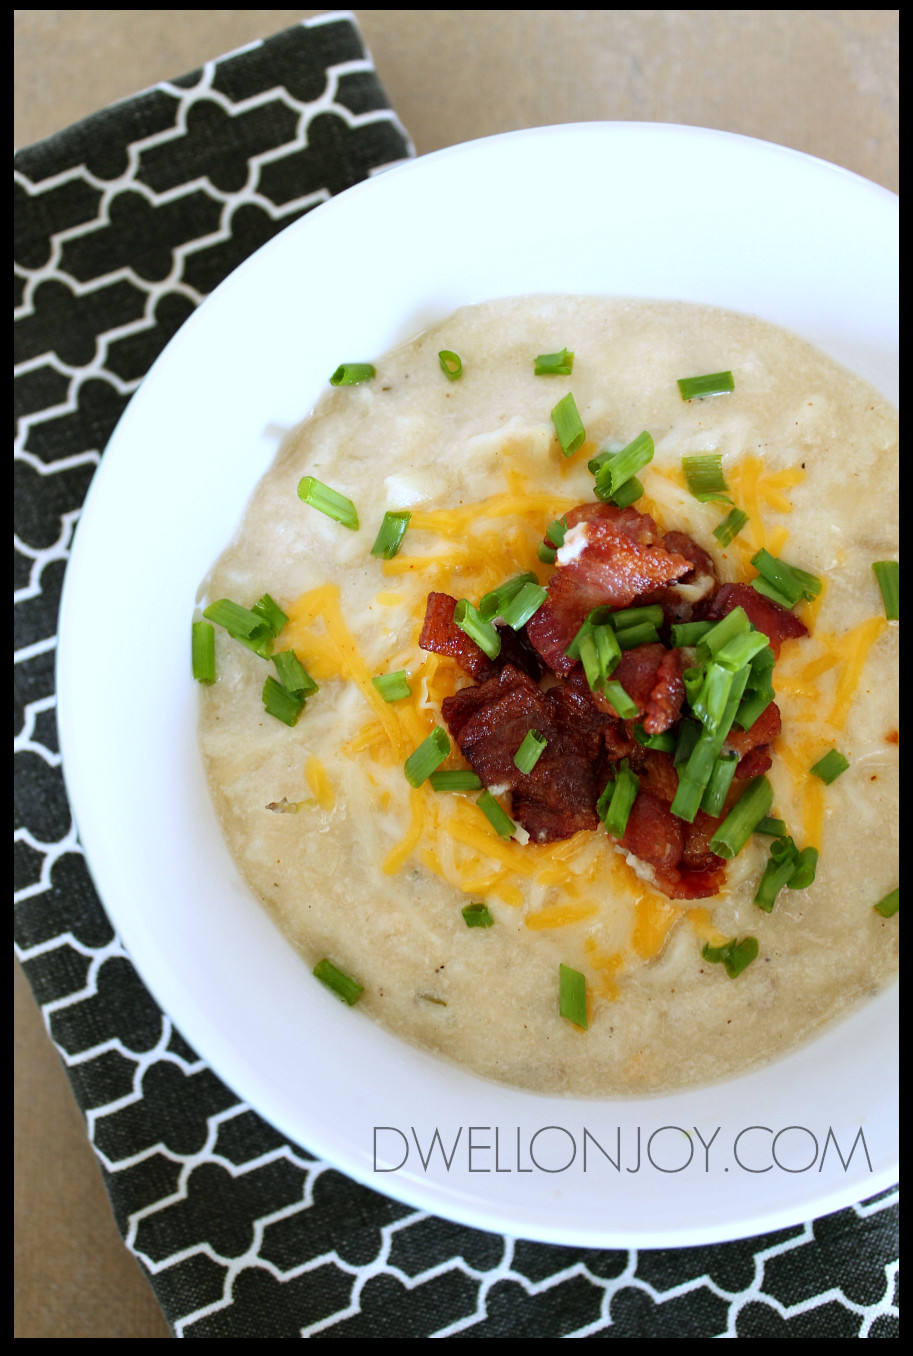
{"x":664,"y":705}
{"x":661,"y":840}
{"x":441,"y":635}
{"x":777,"y":622}
{"x":681,"y":600}
{"x":753,"y":745}
{"x":621,"y":559}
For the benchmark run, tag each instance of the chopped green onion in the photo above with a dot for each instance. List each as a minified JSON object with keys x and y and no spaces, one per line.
{"x":427,"y":758}
{"x":285,"y":706}
{"x":203,"y":652}
{"x":605,"y":453}
{"x":753,"y":705}
{"x":568,"y":425}
{"x":242,"y":624}
{"x":773,"y":828}
{"x":620,"y":701}
{"x":664,"y":742}
{"x":714,"y":695}
{"x":523,"y":605}
{"x":348,"y":989}
{"x":688,"y":796}
{"x":730,"y":526}
{"x":390,"y":537}
{"x":781,"y":867}
{"x":392,"y":686}
{"x":712,"y":384}
{"x":267,"y":608}
{"x":546,"y":554}
{"x":461,"y":779}
{"x":572,"y":996}
{"x":628,"y":494}
{"x":743,"y":818}
{"x":624,"y":794}
{"x":788,"y":580}
{"x":621,"y":466}
{"x":735,"y":623}
{"x":599,"y":654}
{"x":636,"y":616}
{"x":830,"y":767}
{"x":493,"y":604}
{"x":482,"y":632}
{"x":600,"y":616}
{"x":350,"y":374}
{"x":805,"y":868}
{"x":693,"y":681}
{"x":554,"y":364}
{"x":497,"y":817}
{"x":689,"y":633}
{"x":556,"y":532}
{"x":887,"y":573}
{"x":739,"y":651}
{"x":631,"y":636}
{"x":477,"y":916}
{"x":719,"y":784}
{"x":605,"y":800}
{"x":704,"y":474}
{"x":735,"y":955}
{"x":451,"y":364}
{"x":688,"y":734}
{"x":329,"y":502}
{"x":530,"y":751}
{"x":762,"y":665}
{"x":888,"y":906}
{"x":761,"y":586}
{"x":293,"y":676}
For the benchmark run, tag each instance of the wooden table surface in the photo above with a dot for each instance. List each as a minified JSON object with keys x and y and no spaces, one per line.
{"x":821,"y":81}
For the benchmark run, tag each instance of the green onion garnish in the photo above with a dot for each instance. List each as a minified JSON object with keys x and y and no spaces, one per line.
{"x":556,"y":532}
{"x":773,"y":828}
{"x":830,"y":767}
{"x":713,"y":697}
{"x":285,"y":706}
{"x":719,"y":784}
{"x":743,"y":819}
{"x":392,"y":686}
{"x":887,"y":573}
{"x":600,"y":654}
{"x":731,"y":526}
{"x":482,"y":632}
{"x":735,"y":955}
{"x":546,"y":554}
{"x":740,"y":650}
{"x":293,"y":676}
{"x":621,"y":466}
{"x":788,"y":580}
{"x":631,"y":636}
{"x":760,"y":585}
{"x":805,"y":868}
{"x":688,"y":733}
{"x":350,"y":374}
{"x":688,"y":796}
{"x":461,"y":779}
{"x":451,"y":364}
{"x":493,"y":604}
{"x":624,"y":794}
{"x":554,"y":364}
{"x":572,"y":999}
{"x":664,"y":742}
{"x":522,"y":606}
{"x":752,"y":706}
{"x":712,"y":384}
{"x":329,"y":502}
{"x":620,"y":701}
{"x":689,"y":633}
{"x":499,"y":819}
{"x":427,"y":758}
{"x":390,"y":536}
{"x":600,"y":616}
{"x":203,"y":652}
{"x":267,"y":608}
{"x":888,"y":906}
{"x":704,"y":474}
{"x":568,"y":425}
{"x":735,"y":623}
{"x":242,"y":624}
{"x":637,"y":616}
{"x":530,"y":751}
{"x":780,"y":869}
{"x":348,"y":989}
{"x":477,"y":916}
{"x":629,"y":493}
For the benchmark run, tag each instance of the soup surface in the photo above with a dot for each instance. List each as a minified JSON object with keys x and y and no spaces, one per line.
{"x":359,"y":867}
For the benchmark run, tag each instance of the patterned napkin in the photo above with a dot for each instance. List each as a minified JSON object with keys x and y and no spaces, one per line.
{"x":123,"y":224}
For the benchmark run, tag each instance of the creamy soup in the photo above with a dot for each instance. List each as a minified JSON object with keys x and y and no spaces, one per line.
{"x":358,"y":867}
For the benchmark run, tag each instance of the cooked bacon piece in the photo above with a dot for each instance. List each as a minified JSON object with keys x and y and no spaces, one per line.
{"x":697,"y":855}
{"x":576,"y":712}
{"x":637,"y":672}
{"x":441,"y":635}
{"x":680,"y":600}
{"x":622,"y":558}
{"x":777,"y":622}
{"x":659,"y":775}
{"x":753,"y":746}
{"x":664,"y":843}
{"x":558,"y":797}
{"x":664,"y":704}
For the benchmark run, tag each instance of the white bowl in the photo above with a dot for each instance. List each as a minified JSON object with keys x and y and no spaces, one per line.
{"x":618,"y":208}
